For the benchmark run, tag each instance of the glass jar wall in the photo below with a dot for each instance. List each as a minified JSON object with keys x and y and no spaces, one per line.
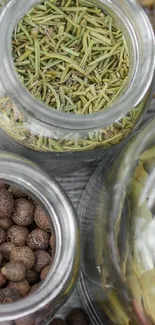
{"x":51,"y":293}
{"x":42,"y":132}
{"x":117,"y":215}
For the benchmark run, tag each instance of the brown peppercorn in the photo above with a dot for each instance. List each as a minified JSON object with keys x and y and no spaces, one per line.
{"x":6,"y":203}
{"x":27,"y":320}
{"x":1,"y":258}
{"x":52,"y":241}
{"x":44,"y":272}
{"x":16,"y":192}
{"x":58,"y":321}
{"x":9,"y":295}
{"x":14,"y":271}
{"x":42,"y":220}
{"x":2,"y":184}
{"x":34,"y":288}
{"x":23,"y":287}
{"x":6,"y":223}
{"x":23,"y":212}
{"x":5,"y":250}
{"x":42,"y":259}
{"x":77,"y":316}
{"x":23,"y":254}
{"x":2,"y":236}
{"x":38,"y":239}
{"x":2,"y":280}
{"x":17,"y":235}
{"x":32,"y":276}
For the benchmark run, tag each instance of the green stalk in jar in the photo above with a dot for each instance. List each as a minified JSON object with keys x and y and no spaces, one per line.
{"x":73,"y":57}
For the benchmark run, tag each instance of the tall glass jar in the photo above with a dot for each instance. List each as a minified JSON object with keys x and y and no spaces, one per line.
{"x":118,"y":270}
{"x":41,"y":306}
{"x":29,"y":127}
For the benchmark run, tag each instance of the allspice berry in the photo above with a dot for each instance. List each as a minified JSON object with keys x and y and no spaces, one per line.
{"x":34,"y":288}
{"x":5,"y":250}
{"x":23,"y":287}
{"x":17,"y":235}
{"x":77,"y":316}
{"x":1,"y":258}
{"x":16,"y":192}
{"x":58,"y":321}
{"x":14,"y":271}
{"x":23,"y":212}
{"x":6,"y":203}
{"x":44,"y":272}
{"x":41,"y":219}
{"x":6,"y":223}
{"x":52,"y":241}
{"x":42,"y":259}
{"x":9,"y":295}
{"x":32,"y":276}
{"x":27,"y":320}
{"x":2,"y":236}
{"x":2,"y":184}
{"x":2,"y":280}
{"x":38,"y":239}
{"x":23,"y":254}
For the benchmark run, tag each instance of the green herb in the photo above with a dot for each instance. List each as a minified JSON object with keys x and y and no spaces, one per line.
{"x":68,"y":41}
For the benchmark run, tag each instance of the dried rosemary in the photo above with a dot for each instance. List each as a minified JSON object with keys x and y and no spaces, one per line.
{"x":71,"y":56}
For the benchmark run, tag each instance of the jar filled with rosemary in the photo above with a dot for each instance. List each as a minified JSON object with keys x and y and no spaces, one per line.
{"x":75,"y":75}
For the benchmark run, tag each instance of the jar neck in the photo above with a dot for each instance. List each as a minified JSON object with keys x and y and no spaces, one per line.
{"x":46,"y":191}
{"x":140,"y":41}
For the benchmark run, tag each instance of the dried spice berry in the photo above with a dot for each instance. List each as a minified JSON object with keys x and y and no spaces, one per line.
{"x":6,"y":223}
{"x":2,"y":236}
{"x":23,"y":254}
{"x":42,"y":259}
{"x":6,"y":203}
{"x":78,"y":316}
{"x":1,"y":258}
{"x":27,"y":320}
{"x":2,"y":184}
{"x":14,"y":271}
{"x":52,"y":241}
{"x":7,"y":323}
{"x":34,"y":288}
{"x":23,"y":212}
{"x":41,"y":219}
{"x":58,"y":321}
{"x":38,"y":239}
{"x":44,"y":272}
{"x":2,"y":280}
{"x":32,"y":276}
{"x":5,"y":250}
{"x":16,"y":192}
{"x":9,"y":295}
{"x":17,"y":235}
{"x":23,"y":287}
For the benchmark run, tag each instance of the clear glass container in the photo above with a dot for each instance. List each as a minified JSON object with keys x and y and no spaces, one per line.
{"x":41,"y":306}
{"x":117,"y":283}
{"x":47,"y":134}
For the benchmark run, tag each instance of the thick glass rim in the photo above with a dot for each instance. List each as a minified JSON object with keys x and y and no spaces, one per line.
{"x":22,"y":172}
{"x":33,"y":108}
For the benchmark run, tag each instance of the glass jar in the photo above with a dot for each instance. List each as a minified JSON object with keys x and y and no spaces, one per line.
{"x":41,"y":306}
{"x":32,"y":129}
{"x":117,"y":214}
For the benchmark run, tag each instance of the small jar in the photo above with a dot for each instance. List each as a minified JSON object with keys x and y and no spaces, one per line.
{"x":118,"y":270}
{"x":41,"y":306}
{"x":33,"y":129}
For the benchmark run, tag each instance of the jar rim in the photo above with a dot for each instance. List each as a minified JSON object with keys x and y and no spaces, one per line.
{"x":35,"y":109}
{"x":21,"y":171}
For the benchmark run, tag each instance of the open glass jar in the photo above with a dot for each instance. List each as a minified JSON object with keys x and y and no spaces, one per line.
{"x":118,"y":270}
{"x":40,"y":306}
{"x":39,"y":131}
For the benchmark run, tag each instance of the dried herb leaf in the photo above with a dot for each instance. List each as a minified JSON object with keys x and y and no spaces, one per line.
{"x":148,"y":293}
